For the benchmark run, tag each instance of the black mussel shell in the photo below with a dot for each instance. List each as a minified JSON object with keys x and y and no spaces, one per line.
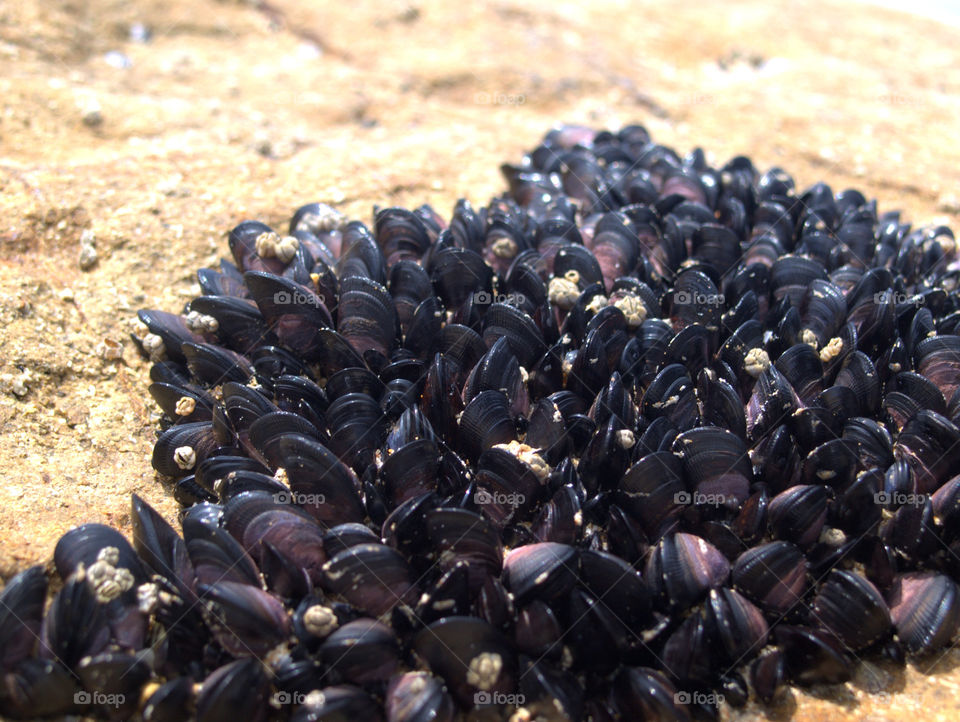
{"x":418,"y":697}
{"x":682,"y":568}
{"x":236,"y":690}
{"x":812,"y":656}
{"x":850,"y":607}
{"x":923,"y":606}
{"x":472,"y":657}
{"x":773,"y":576}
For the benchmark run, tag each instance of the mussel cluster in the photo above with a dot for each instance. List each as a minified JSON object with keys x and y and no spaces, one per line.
{"x":640,"y":436}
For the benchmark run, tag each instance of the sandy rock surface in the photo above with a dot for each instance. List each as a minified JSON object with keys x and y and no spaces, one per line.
{"x":123,"y":163}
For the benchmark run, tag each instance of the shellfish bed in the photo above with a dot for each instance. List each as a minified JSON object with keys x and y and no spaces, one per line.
{"x":640,"y":438}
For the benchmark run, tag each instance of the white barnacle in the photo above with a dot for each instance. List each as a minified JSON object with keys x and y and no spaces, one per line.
{"x":563,"y":293}
{"x":287,"y":248}
{"x":597,"y":303}
{"x":266,"y":244}
{"x":572,"y":276}
{"x":314,"y":698}
{"x":809,"y":337}
{"x":154,"y":347}
{"x":148,"y":597}
{"x":484,"y":670}
{"x":529,"y":456}
{"x":324,"y":219}
{"x":832,"y":349}
{"x":108,"y":581}
{"x":202,"y":322}
{"x":505,"y":248}
{"x":185,"y":457}
{"x":832,"y":536}
{"x":320,"y":621}
{"x":633,"y":309}
{"x":186,"y":405}
{"x":626,"y":439}
{"x":756,"y":362}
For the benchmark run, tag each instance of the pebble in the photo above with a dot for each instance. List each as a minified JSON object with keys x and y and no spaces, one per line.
{"x":88,"y":250}
{"x":948,"y":203}
{"x":91,"y":113}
